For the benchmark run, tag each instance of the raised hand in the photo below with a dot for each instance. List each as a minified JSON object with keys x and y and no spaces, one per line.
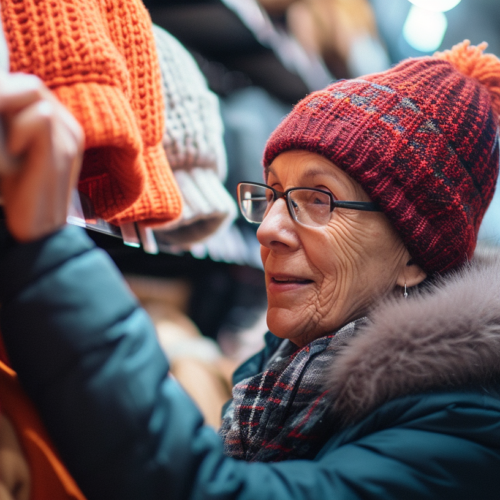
{"x":40,"y":158}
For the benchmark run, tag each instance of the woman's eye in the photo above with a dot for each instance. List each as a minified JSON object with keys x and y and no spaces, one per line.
{"x":329,"y":191}
{"x":321,"y":201}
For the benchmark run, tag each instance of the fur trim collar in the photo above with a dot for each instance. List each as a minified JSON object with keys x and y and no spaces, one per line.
{"x":444,"y":337}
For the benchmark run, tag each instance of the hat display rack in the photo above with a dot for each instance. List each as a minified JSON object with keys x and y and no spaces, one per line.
{"x":233,"y":243}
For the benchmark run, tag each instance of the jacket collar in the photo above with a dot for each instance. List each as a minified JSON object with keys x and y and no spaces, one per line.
{"x":443,"y":337}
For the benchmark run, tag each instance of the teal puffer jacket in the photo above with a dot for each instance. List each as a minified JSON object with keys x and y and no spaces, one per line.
{"x":415,"y":402}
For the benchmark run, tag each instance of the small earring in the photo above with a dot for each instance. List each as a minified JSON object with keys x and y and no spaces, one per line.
{"x":405,"y":293}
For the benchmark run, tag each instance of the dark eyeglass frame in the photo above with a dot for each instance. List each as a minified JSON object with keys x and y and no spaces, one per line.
{"x":365,"y":206}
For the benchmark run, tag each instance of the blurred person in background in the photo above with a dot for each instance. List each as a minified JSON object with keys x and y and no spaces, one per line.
{"x":342,"y":32}
{"x":380,"y":376}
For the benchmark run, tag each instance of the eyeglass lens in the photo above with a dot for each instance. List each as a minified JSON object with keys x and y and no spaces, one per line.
{"x":309,"y":207}
{"x":254,"y":201}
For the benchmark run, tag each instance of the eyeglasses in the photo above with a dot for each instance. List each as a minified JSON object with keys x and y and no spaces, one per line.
{"x":308,"y":206}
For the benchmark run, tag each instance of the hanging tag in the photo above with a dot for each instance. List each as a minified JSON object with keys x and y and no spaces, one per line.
{"x":75,"y":211}
{"x":148,"y":240}
{"x":129,"y":234}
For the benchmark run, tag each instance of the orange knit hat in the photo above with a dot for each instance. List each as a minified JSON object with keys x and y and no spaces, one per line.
{"x":100,"y":60}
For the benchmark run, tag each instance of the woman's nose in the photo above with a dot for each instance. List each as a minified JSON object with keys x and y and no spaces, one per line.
{"x":277,"y":230}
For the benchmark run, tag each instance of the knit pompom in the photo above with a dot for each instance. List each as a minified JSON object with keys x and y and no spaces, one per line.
{"x":471,"y":61}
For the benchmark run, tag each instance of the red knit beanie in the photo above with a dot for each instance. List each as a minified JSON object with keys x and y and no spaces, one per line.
{"x":422,"y":140}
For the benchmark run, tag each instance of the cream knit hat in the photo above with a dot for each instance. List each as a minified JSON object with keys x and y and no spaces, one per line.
{"x":193,"y":141}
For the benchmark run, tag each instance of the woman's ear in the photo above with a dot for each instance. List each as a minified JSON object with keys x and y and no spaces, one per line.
{"x":411,"y":274}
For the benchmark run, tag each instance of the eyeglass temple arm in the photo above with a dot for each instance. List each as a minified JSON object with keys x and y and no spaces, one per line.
{"x":365,"y":206}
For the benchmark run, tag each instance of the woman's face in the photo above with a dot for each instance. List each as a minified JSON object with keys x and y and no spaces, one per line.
{"x":319,"y":279}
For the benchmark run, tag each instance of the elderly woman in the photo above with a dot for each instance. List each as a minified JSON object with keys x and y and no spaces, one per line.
{"x":367,"y":388}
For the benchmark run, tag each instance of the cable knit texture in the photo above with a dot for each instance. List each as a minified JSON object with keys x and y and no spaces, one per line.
{"x":99,"y":58}
{"x":422,"y":140}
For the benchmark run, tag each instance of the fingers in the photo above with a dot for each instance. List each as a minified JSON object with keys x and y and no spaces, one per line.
{"x":36,"y":123}
{"x":47,"y":143}
{"x":31,"y":126}
{"x":18,"y":90}
{"x":37,"y":194}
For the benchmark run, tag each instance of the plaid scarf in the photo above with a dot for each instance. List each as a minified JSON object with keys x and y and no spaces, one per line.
{"x":282,"y":413}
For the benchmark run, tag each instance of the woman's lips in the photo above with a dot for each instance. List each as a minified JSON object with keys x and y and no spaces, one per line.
{"x":290,"y":280}
{"x":284,"y":283}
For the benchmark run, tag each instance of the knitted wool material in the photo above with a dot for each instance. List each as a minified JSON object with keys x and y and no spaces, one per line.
{"x":420,"y":138}
{"x":193,"y":142}
{"x":193,"y":133}
{"x":99,"y":59}
{"x":284,"y":413}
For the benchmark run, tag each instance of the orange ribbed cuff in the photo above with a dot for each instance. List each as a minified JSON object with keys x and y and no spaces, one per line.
{"x":114,"y":171}
{"x":161,"y":200}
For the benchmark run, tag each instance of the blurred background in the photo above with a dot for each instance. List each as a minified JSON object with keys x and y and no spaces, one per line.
{"x":260,"y":58}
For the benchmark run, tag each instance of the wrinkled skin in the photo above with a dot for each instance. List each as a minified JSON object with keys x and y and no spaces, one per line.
{"x":341,"y":268}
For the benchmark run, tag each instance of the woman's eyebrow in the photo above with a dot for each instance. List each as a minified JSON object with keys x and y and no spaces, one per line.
{"x":317,"y":171}
{"x":314,"y":171}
